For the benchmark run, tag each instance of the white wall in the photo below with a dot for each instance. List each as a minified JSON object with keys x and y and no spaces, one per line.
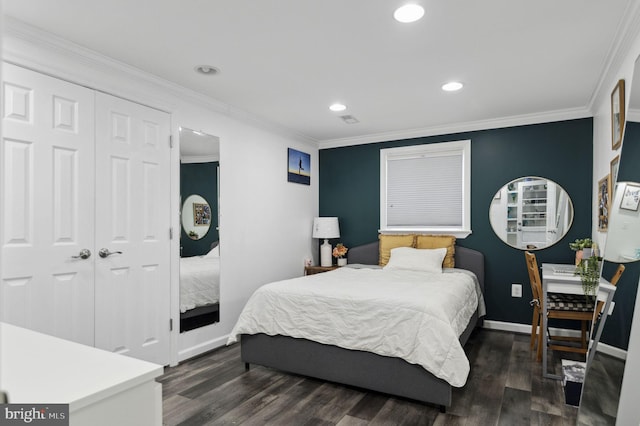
{"x":265,"y":230}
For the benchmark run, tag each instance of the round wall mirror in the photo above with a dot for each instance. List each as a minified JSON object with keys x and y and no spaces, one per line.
{"x":531,"y":213}
{"x":196,"y":216}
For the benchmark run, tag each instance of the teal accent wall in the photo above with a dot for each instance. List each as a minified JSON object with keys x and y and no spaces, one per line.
{"x":349,"y":180}
{"x":201,"y":179}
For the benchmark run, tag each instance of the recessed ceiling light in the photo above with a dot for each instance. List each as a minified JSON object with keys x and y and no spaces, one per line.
{"x":207,"y":70}
{"x":408,"y":13}
{"x":337,"y":107}
{"x":452,"y":86}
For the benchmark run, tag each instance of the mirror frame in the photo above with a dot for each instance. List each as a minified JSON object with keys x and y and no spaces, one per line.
{"x":507,"y":191}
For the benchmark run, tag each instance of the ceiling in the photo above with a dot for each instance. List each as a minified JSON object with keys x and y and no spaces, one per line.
{"x":286,"y":61}
{"x":196,"y":146}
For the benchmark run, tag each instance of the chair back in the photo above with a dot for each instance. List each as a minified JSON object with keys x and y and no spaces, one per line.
{"x":616,"y":277}
{"x":534,"y":276}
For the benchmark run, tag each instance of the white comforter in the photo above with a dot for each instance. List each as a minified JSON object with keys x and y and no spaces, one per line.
{"x":417,"y":316}
{"x":199,"y":281}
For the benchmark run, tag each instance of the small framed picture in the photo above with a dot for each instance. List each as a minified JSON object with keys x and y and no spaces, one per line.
{"x":298,"y":167}
{"x":615,"y":163}
{"x":604,"y":191}
{"x":201,"y":214}
{"x":630,"y":198}
{"x":617,"y":115}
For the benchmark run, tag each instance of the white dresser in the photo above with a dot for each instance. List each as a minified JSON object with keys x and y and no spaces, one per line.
{"x":101,"y":388}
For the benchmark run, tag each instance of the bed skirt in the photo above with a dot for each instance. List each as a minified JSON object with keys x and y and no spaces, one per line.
{"x":366,"y":370}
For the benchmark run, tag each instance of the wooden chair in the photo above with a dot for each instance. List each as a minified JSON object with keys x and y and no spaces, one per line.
{"x":559,"y":306}
{"x":536,"y":290}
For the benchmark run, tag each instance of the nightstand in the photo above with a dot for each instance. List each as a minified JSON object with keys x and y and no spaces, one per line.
{"x":310,"y":270}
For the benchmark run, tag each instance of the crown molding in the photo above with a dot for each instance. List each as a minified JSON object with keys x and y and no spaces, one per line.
{"x":33,"y":48}
{"x":519,"y":120}
{"x":627,"y":34}
{"x":633,"y":114}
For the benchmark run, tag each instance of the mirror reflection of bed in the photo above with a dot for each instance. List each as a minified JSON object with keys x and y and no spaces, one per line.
{"x":601,"y":395}
{"x":199,"y":238}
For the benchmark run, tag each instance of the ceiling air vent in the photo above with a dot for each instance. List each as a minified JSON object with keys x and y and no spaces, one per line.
{"x":349,"y":119}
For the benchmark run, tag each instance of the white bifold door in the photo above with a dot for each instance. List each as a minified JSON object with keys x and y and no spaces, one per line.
{"x":85,"y":216}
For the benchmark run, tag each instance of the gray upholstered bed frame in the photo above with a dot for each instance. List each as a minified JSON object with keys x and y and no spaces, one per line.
{"x":357,"y":368}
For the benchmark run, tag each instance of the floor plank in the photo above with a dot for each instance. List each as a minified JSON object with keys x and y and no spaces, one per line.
{"x":504,"y":387}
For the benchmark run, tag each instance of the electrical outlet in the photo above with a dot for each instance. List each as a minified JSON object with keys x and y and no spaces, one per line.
{"x":516,"y":290}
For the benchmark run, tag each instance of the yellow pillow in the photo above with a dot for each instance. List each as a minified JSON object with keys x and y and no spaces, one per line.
{"x":439,"y":241}
{"x":387,"y":242}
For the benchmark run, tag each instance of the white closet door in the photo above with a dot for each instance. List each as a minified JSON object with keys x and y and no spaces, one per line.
{"x":132,"y":217}
{"x":47,"y":205}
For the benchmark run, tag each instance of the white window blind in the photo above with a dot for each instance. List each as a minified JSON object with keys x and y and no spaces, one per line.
{"x":426,"y":188}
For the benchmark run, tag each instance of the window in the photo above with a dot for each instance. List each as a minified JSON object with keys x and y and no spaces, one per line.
{"x":426,"y":188}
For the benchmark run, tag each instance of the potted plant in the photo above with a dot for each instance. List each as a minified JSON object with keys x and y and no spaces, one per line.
{"x":339,"y":251}
{"x":582,"y":247}
{"x":589,"y":271}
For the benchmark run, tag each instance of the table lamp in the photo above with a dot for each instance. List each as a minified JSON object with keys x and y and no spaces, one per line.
{"x":325,"y":228}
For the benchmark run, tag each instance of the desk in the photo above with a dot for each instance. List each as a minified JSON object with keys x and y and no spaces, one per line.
{"x":102,"y":388}
{"x":571,"y":284}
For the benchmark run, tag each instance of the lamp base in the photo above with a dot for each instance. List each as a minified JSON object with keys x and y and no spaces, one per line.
{"x":325,"y":253}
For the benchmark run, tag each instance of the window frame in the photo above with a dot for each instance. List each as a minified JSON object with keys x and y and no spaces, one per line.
{"x":461,"y":147}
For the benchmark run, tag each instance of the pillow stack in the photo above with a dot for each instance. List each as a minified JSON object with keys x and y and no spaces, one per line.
{"x":417,"y":241}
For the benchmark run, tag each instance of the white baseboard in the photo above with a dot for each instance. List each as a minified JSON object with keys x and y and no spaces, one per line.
{"x":526,"y":329}
{"x":201,"y":348}
{"x":612,"y":351}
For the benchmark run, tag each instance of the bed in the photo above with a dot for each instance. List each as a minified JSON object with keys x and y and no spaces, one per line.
{"x":383,"y":371}
{"x":199,"y":290}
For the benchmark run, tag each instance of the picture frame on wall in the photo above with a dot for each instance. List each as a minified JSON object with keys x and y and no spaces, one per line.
{"x":298,"y":167}
{"x":604,"y":197}
{"x":201,"y":214}
{"x":615,"y":163}
{"x":630,"y":198}
{"x":617,"y":115}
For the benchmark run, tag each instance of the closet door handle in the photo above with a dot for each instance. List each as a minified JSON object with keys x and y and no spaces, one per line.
{"x":104,"y":252}
{"x":84,"y":254}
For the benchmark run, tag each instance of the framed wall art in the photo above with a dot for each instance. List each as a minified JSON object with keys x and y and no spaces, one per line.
{"x":617,"y":115}
{"x":615,"y":163}
{"x":604,"y":194}
{"x":298,"y":167}
{"x":630,"y":198}
{"x":201,"y":214}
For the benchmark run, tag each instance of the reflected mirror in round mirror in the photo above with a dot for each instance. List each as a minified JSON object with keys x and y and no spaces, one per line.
{"x":623,"y":238}
{"x":196,"y":216}
{"x":531,"y":213}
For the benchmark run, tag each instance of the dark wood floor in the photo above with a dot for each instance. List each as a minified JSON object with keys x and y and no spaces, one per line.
{"x":505,"y":387}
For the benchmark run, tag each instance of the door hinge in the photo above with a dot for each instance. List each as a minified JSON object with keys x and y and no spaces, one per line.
{"x":170,"y":141}
{"x":171,"y":233}
{"x":170,"y":324}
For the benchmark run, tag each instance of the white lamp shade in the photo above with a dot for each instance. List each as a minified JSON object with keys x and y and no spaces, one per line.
{"x":326,"y":227}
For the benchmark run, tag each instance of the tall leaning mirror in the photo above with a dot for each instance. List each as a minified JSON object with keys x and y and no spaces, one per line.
{"x":199,"y":238}
{"x":601,"y":390}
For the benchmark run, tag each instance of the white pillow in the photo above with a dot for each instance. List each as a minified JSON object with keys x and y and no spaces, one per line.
{"x":425,"y":260}
{"x":214,"y":252}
